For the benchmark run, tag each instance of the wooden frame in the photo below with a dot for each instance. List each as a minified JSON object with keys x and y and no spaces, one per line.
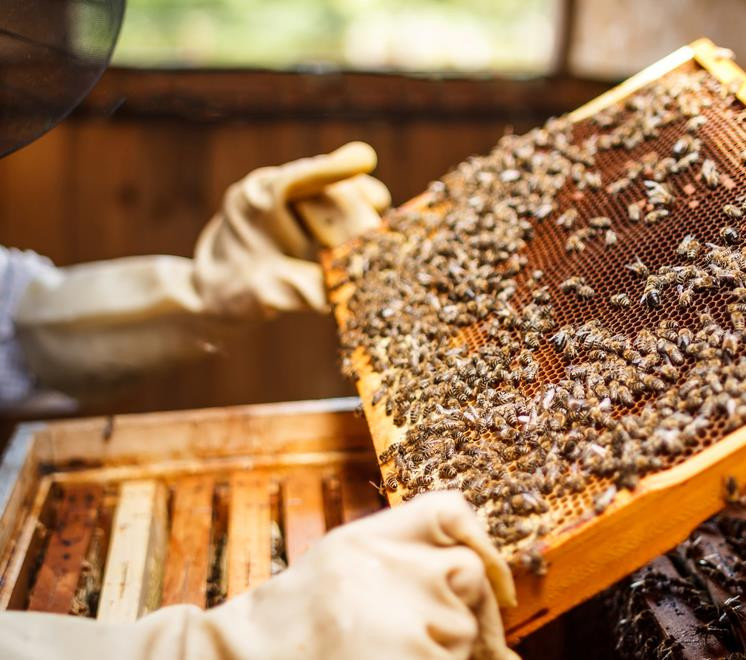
{"x":596,"y":551}
{"x":147,"y":501}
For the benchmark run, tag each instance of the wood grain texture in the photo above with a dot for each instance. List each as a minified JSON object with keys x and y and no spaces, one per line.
{"x":303,"y":512}
{"x":18,"y":479}
{"x":23,"y":550}
{"x":360,"y":496}
{"x":249,"y":532}
{"x":134,"y":566}
{"x":598,"y":550}
{"x":187,"y":558}
{"x":59,"y":573}
{"x":259,"y":430}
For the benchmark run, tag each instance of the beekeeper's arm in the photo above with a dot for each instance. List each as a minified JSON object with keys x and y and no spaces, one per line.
{"x":421,"y":581}
{"x":104,"y":320}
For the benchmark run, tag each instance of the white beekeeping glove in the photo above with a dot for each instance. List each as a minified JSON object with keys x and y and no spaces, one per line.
{"x":100,"y":322}
{"x":420,"y":581}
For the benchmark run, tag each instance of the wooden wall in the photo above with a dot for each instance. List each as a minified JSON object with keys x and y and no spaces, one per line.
{"x":141,"y":167}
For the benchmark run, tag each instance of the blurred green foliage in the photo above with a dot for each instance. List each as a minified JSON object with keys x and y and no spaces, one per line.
{"x":411,"y":35}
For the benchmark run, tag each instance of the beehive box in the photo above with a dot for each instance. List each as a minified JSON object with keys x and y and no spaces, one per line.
{"x":591,"y":538}
{"x":114,"y":517}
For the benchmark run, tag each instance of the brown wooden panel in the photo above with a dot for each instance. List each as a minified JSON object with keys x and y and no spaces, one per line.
{"x":26,"y":546}
{"x":360,"y":496}
{"x":249,"y":534}
{"x":58,"y":576}
{"x":185,"y":577}
{"x":303,"y":511}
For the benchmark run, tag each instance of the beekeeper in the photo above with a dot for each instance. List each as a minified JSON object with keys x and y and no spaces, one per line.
{"x":421,"y":581}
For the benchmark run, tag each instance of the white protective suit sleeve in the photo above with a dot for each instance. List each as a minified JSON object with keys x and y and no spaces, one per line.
{"x":420,"y":581}
{"x":100,"y":322}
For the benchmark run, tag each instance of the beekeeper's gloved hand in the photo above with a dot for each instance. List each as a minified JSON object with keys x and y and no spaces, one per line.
{"x":420,"y":581}
{"x":99,"y":322}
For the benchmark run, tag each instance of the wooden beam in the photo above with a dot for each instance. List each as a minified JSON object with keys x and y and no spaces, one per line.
{"x":266,"y":430}
{"x":25,"y":549}
{"x":217,"y":95}
{"x":59,"y":573}
{"x":249,"y":532}
{"x":303,"y":511}
{"x":565,"y":31}
{"x":185,"y":578}
{"x":18,"y":477}
{"x":134,"y":566}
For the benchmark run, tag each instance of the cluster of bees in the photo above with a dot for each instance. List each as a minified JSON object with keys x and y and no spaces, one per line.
{"x":487,"y":417}
{"x":688,"y":603}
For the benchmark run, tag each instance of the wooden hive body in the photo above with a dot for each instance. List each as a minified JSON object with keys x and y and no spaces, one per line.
{"x":115,"y":517}
{"x":586,"y":552}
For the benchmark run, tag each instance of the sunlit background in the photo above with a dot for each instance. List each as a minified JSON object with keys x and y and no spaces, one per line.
{"x":514,"y":36}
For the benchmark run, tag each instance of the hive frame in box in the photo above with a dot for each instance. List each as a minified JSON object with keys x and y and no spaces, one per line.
{"x":590,"y":555}
{"x":306,"y":465}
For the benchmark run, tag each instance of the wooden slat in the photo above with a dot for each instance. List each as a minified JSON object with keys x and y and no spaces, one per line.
{"x":18,"y":478}
{"x":331,"y":493}
{"x":58,"y":576}
{"x":182,"y":468}
{"x":249,"y":535}
{"x":25,"y":548}
{"x":359,"y":496}
{"x":269,"y":430}
{"x":303,"y":511}
{"x":134,"y":566}
{"x":185,"y":578}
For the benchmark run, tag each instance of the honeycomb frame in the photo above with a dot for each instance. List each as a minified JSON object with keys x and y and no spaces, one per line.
{"x":586,"y":552}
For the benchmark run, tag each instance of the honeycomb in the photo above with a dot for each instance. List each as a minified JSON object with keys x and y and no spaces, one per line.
{"x":697,"y":210}
{"x":723,"y":140}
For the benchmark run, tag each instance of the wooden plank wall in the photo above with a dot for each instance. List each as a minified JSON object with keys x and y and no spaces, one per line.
{"x":141,"y":167}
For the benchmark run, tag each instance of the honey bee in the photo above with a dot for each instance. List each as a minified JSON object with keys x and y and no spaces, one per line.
{"x":638,"y":268}
{"x":733,"y":211}
{"x":686,"y":144}
{"x":571,"y":283}
{"x":618,"y":186}
{"x":730,"y":235}
{"x":600,"y":222}
{"x":378,"y":395}
{"x":585,"y":292}
{"x":620,"y":300}
{"x":730,"y":344}
{"x":651,"y":297}
{"x":634,"y":213}
{"x":593,"y":180}
{"x":695,"y":123}
{"x":510,"y":175}
{"x":689,"y":247}
{"x":574,"y":244}
{"x":391,"y":482}
{"x":656,"y":215}
{"x":388,"y":454}
{"x":686,"y":296}
{"x":658,"y":193}
{"x":602,"y":501}
{"x":710,"y":174}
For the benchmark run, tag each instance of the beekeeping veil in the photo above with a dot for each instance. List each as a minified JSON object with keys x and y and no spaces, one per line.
{"x":52,"y":52}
